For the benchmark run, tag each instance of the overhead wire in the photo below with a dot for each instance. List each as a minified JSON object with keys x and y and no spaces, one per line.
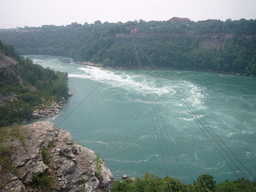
{"x":189,"y":157}
{"x":216,"y":149}
{"x":148,"y":59}
{"x":136,"y":54}
{"x":79,"y":104}
{"x":169,"y":153}
{"x":48,"y":133}
{"x":154,"y":123}
{"x":219,"y":144}
{"x":160,"y":149}
{"x":164,"y":138}
{"x":225,"y":145}
{"x":221,"y":147}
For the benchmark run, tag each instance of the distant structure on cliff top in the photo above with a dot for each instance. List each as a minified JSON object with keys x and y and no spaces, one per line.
{"x":176,"y":19}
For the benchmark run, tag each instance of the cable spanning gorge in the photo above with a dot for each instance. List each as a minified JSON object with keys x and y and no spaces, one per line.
{"x":163,"y":102}
{"x":197,"y":122}
{"x":175,"y":123}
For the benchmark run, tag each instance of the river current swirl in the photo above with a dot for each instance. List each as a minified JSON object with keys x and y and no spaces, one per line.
{"x":157,"y":121}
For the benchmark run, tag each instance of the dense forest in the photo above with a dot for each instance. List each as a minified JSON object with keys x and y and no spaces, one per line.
{"x":232,"y":48}
{"x":27,"y":86}
{"x":204,"y":183}
{"x":213,"y":45}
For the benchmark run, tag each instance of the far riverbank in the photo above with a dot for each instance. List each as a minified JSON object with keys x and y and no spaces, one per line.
{"x":169,"y":68}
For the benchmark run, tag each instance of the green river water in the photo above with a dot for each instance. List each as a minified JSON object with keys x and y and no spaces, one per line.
{"x":161,"y":121}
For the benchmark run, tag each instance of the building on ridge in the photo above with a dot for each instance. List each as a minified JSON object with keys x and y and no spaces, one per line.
{"x":177,"y":19}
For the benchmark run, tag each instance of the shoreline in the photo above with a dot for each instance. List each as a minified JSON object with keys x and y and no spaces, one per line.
{"x":163,"y":68}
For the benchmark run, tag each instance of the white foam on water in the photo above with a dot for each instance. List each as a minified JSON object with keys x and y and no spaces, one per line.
{"x":195,"y":156}
{"x":186,"y":119}
{"x":101,"y":142}
{"x":145,"y":137}
{"x":247,"y":132}
{"x":145,"y":85}
{"x":135,"y":161}
{"x":230,"y":134}
{"x":142,"y":84}
{"x":195,"y":96}
{"x":248,"y":154}
{"x":238,"y":143}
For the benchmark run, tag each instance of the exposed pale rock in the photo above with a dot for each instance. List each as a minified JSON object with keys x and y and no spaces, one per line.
{"x":133,"y":179}
{"x":48,"y":111}
{"x":124,"y":177}
{"x":7,"y":63}
{"x":67,"y":161}
{"x":14,"y":185}
{"x":69,"y":93}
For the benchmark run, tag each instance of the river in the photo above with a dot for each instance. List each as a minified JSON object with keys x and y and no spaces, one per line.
{"x":161,"y":121}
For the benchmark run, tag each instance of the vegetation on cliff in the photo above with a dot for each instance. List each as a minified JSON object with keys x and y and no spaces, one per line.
{"x":26,"y":86}
{"x":152,"y":183}
{"x":46,"y":159}
{"x":207,"y":45}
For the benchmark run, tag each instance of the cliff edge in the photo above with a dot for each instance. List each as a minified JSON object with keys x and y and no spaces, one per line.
{"x":48,"y":160}
{"x":7,"y":63}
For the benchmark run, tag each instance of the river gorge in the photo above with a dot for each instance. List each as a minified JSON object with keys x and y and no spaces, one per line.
{"x":161,"y":121}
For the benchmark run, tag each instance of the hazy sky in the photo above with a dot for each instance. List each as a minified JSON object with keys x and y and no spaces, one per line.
{"x":35,"y":13}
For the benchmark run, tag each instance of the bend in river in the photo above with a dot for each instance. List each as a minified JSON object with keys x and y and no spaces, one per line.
{"x":137,"y":118}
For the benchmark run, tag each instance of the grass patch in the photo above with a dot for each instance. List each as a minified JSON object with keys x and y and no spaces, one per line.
{"x":45,"y":155}
{"x":45,"y":152}
{"x":17,"y":132}
{"x":98,"y":162}
{"x":4,"y":157}
{"x":3,"y":133}
{"x":83,"y":182}
{"x":43,"y":181}
{"x":51,"y":143}
{"x":5,"y":149}
{"x":8,"y":135}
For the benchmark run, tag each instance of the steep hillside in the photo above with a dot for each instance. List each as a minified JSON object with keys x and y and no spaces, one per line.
{"x":24,"y":87}
{"x":207,"y":45}
{"x":7,"y":63}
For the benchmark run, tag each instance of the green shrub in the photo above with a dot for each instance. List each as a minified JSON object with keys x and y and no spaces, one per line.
{"x":43,"y":181}
{"x":44,"y":153}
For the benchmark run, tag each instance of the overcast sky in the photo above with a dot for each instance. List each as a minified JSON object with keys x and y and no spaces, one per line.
{"x":20,"y":13}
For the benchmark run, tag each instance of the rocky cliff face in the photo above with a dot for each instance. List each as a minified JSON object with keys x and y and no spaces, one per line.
{"x":206,"y":41}
{"x":48,"y":111}
{"x":7,"y":63}
{"x":49,"y":152}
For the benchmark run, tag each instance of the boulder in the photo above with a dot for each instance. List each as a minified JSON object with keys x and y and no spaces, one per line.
{"x":124,"y":177}
{"x":69,"y":94}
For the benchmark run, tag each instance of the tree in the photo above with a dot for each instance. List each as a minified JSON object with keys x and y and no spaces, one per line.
{"x":203,"y":181}
{"x":98,"y":22}
{"x":227,"y":186}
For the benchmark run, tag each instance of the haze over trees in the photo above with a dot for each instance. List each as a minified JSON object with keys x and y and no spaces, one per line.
{"x":207,"y":45}
{"x":228,"y":46}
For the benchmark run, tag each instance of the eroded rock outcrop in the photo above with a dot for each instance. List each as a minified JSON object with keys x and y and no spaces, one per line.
{"x":48,"y":111}
{"x":7,"y":63}
{"x":48,"y":149}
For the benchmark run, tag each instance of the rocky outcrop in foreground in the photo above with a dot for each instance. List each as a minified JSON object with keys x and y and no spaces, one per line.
{"x":50,"y":153}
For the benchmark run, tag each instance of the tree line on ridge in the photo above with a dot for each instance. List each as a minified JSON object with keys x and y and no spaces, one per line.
{"x":167,"y":44}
